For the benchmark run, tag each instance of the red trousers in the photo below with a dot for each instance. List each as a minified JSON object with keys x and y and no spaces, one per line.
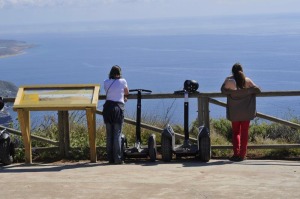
{"x":240,"y":137}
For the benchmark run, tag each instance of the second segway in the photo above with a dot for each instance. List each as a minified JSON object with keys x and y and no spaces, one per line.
{"x":203,"y":147}
{"x":139,"y":151}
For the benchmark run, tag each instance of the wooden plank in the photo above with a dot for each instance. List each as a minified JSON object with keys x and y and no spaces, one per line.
{"x":210,"y":95}
{"x":24,"y":119}
{"x":280,"y":121}
{"x":9,"y":99}
{"x":263,"y":116}
{"x":200,"y":111}
{"x":61,"y":133}
{"x":66,"y":133}
{"x":91,"y":120}
{"x":96,"y":95}
{"x":206,"y":112}
{"x":19,"y":96}
{"x":60,"y":86}
{"x":33,"y":137}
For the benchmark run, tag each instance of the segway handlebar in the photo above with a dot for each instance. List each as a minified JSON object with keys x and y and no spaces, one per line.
{"x":183,"y":91}
{"x":140,"y":90}
{"x":179,"y":92}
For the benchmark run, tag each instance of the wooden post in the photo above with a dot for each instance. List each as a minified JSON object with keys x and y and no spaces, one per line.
{"x":24,"y":119}
{"x":200,"y":111}
{"x":206,"y":112}
{"x":64,"y":133}
{"x":61,"y":134}
{"x":91,"y":121}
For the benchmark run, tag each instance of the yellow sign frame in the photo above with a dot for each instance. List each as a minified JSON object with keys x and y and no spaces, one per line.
{"x":62,"y":97}
{"x":57,"y":97}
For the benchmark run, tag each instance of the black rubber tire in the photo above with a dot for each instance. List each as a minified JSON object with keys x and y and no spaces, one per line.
{"x":166,"y":149}
{"x":12,"y":150}
{"x":204,"y":149}
{"x":152,"y":148}
{"x":8,"y":160}
{"x":6,"y":156}
{"x":123,"y":146}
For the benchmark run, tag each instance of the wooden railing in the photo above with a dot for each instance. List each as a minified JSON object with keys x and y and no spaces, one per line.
{"x":203,"y":101}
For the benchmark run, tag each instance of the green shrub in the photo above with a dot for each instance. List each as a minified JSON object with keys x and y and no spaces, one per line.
{"x":223,"y":127}
{"x":221,"y":133}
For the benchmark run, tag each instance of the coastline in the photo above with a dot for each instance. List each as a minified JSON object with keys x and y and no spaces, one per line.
{"x":9,"y":48}
{"x":12,"y":55}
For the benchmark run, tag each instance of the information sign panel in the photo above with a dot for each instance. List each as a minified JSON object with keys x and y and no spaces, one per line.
{"x":57,"y":97}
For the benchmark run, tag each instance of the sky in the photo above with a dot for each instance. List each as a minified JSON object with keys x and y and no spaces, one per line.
{"x":28,"y":14}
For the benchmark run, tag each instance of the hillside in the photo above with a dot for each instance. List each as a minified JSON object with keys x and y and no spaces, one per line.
{"x":8,"y":89}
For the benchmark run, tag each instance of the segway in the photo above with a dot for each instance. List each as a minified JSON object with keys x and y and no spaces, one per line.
{"x":7,"y":150}
{"x":139,"y":151}
{"x":202,"y":149}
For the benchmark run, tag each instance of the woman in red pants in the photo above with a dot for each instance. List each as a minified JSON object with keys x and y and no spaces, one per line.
{"x":241,"y":108}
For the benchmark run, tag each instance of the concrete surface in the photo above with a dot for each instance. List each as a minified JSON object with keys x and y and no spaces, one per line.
{"x":142,"y":179}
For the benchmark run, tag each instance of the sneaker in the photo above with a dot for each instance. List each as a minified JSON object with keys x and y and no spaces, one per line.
{"x":234,"y":158}
{"x":243,"y":158}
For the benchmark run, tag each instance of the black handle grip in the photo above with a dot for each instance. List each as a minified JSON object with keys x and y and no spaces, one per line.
{"x":179,"y":92}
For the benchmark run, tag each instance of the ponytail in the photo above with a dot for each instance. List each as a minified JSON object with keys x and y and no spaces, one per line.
{"x":239,"y":76}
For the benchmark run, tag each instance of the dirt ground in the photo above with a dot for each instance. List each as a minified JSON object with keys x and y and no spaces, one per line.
{"x":219,"y":178}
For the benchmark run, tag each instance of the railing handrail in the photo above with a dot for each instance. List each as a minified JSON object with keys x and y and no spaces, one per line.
{"x":210,"y":94}
{"x":195,"y":95}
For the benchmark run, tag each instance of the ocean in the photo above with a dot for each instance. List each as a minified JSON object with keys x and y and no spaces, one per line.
{"x":162,"y":64}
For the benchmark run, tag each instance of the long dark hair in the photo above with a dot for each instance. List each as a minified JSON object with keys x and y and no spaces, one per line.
{"x":115,"y":72}
{"x":238,"y":74}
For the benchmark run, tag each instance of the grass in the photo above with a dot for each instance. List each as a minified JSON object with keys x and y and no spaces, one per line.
{"x":260,"y":133}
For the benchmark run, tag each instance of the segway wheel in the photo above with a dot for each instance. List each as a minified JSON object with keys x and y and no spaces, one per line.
{"x":205,"y":149}
{"x":8,"y":160}
{"x":123,"y":146}
{"x":166,"y":149}
{"x":6,"y":156}
{"x":152,"y":148}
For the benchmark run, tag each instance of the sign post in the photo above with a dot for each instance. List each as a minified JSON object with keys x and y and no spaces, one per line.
{"x":57,"y":98}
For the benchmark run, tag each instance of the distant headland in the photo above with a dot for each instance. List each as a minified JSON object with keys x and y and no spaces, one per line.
{"x":11,"y":47}
{"x":8,"y":89}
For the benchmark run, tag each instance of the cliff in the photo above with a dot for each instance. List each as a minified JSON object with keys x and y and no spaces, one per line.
{"x":8,"y":89}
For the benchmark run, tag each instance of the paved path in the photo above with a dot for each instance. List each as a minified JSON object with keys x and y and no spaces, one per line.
{"x":179,"y":179}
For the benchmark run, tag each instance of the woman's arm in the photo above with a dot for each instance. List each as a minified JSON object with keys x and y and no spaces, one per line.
{"x":229,"y":83}
{"x":250,"y":83}
{"x":126,"y":93}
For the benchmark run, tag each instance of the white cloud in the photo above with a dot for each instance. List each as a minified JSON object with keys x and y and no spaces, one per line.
{"x":54,"y":3}
{"x":42,"y":3}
